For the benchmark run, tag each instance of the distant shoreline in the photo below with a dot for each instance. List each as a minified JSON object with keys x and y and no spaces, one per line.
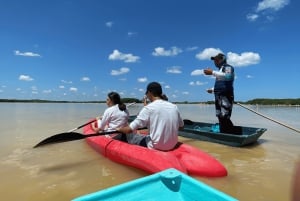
{"x":261,"y":101}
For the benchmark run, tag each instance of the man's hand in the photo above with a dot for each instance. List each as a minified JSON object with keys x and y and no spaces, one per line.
{"x":210,"y":91}
{"x":208,"y":71}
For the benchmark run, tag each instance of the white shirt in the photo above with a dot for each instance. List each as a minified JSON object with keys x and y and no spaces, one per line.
{"x":114,"y":118}
{"x":163,"y":121}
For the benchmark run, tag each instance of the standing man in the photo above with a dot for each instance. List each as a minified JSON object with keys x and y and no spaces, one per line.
{"x":161,"y":117}
{"x":223,"y":91}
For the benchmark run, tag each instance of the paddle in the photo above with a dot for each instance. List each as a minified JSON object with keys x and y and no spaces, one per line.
{"x":287,"y":126}
{"x":62,"y":137}
{"x":188,"y":122}
{"x":70,"y":136}
{"x":74,"y":129}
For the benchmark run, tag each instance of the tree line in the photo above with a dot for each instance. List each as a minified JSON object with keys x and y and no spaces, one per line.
{"x":259,"y":101}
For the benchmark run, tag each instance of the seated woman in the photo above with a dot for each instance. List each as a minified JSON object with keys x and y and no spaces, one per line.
{"x":115,"y":116}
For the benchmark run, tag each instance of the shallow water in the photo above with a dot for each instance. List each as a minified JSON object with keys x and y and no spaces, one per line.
{"x":64,"y":171}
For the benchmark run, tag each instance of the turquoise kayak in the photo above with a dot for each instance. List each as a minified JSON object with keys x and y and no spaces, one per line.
{"x":169,"y":184}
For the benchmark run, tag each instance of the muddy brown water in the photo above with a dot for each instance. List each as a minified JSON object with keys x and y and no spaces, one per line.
{"x":262,"y":172}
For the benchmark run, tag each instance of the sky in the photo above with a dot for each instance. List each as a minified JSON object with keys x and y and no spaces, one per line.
{"x":80,"y":50}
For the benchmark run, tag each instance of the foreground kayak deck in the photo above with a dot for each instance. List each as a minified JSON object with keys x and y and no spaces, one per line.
{"x":169,"y":184}
{"x":184,"y":157}
{"x":206,"y":132}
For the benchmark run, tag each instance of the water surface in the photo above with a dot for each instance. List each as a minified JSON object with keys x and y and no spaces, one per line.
{"x":64,"y":171}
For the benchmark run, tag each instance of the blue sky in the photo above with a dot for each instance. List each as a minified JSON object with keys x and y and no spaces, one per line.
{"x":81,"y":50}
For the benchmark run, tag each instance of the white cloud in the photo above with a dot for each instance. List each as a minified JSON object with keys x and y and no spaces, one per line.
{"x":267,"y":9}
{"x":26,"y":54}
{"x":74,"y":89}
{"x":142,"y":79}
{"x":197,"y":72}
{"x":127,"y":58}
{"x":130,"y":34}
{"x":85,"y":79}
{"x":34,"y":88}
{"x":109,"y":24}
{"x":174,"y":70}
{"x":191,"y":48}
{"x":25,"y":78}
{"x":272,"y":5}
{"x":245,"y":59}
{"x":160,"y":51}
{"x":66,"y":82}
{"x":121,"y":71}
{"x":48,"y":91}
{"x":197,"y":83}
{"x":207,"y":53}
{"x":61,"y":87}
{"x":252,"y":17}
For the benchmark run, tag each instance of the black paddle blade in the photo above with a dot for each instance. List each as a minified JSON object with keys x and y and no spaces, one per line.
{"x":188,"y":122}
{"x":62,"y":137}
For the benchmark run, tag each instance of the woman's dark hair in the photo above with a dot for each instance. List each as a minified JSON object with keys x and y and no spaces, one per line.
{"x":116,"y":99}
{"x":164,"y":97}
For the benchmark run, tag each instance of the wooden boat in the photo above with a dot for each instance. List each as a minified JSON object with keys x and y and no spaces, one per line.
{"x":209,"y":132}
{"x":169,"y":184}
{"x":184,"y":157}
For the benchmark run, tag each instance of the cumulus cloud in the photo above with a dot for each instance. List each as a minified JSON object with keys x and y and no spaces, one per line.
{"x":252,"y":17}
{"x":160,"y":51}
{"x":272,"y":5}
{"x":121,"y":71}
{"x":25,"y":78}
{"x":267,"y":8}
{"x":207,"y":53}
{"x":174,"y":70}
{"x":127,"y":58}
{"x":26,"y":54}
{"x":197,"y":72}
{"x":142,"y":79}
{"x":244,"y":59}
{"x":73,"y":89}
{"x":85,"y":79}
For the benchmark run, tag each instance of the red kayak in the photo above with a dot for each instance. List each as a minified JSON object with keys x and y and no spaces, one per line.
{"x":184,"y":158}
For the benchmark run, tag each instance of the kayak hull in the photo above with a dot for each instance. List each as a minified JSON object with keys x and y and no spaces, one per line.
{"x":184,"y":158}
{"x":169,"y":184}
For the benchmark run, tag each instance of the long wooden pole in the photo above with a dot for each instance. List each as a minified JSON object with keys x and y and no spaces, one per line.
{"x":285,"y":125}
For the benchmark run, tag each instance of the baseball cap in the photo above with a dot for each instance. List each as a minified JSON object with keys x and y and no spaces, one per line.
{"x":219,"y":56}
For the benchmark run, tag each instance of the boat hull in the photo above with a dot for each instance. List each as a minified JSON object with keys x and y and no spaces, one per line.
{"x":205,"y":131}
{"x":184,"y":158}
{"x":169,"y":184}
